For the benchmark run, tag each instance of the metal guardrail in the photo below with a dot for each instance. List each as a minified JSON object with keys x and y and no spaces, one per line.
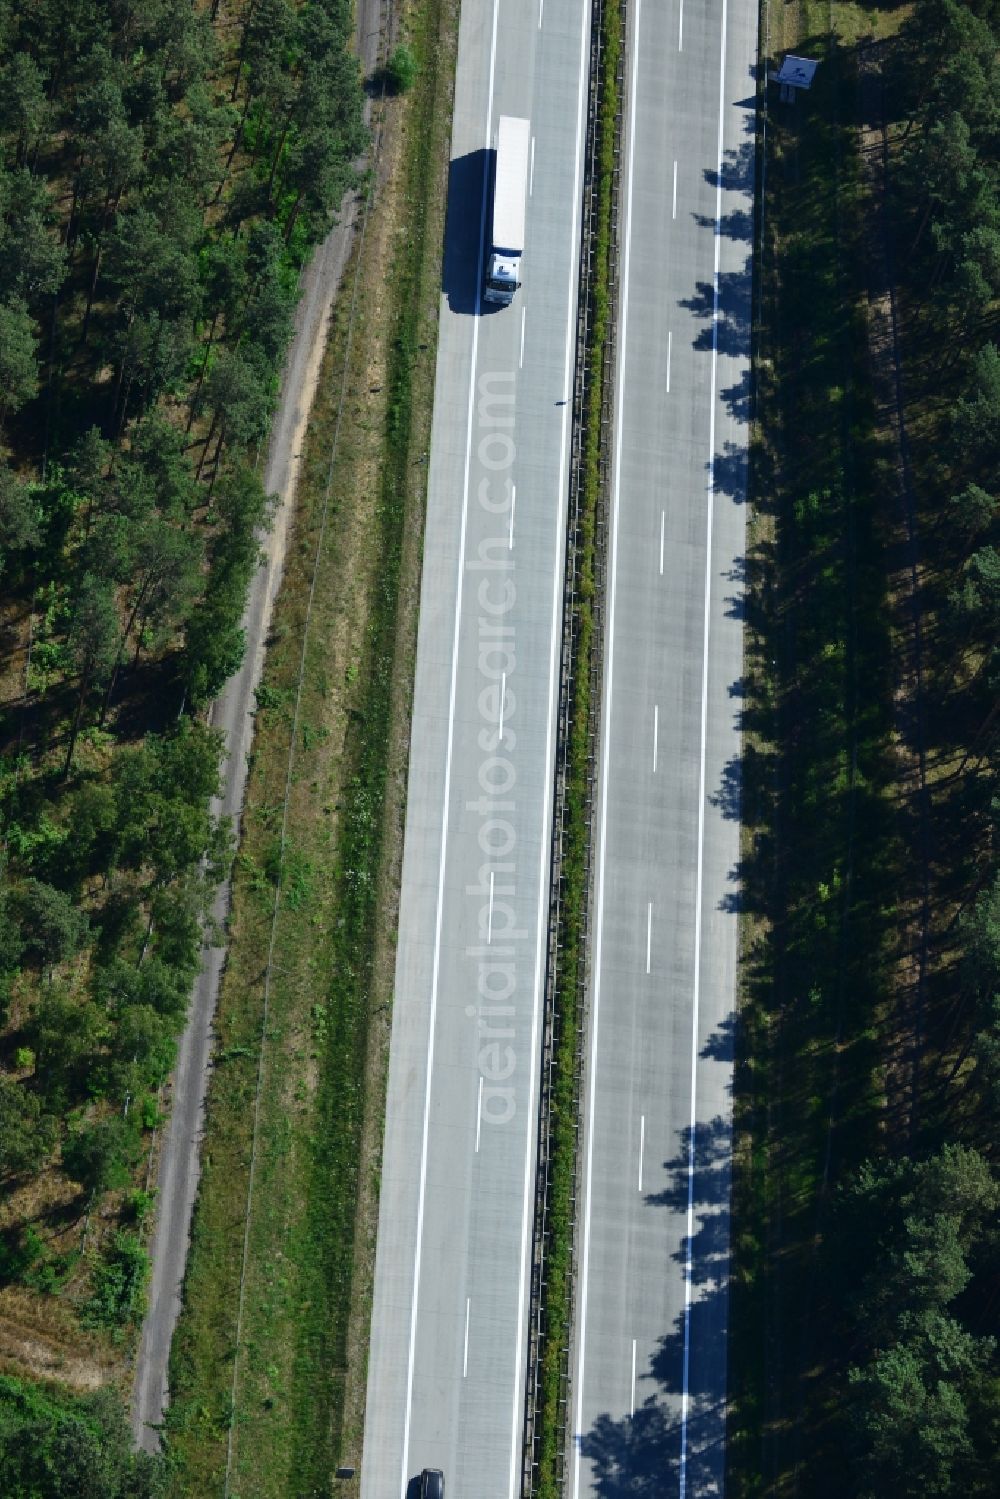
{"x":584,"y":375}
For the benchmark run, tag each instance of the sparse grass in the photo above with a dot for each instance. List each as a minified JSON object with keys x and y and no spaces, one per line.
{"x":302,"y":1357}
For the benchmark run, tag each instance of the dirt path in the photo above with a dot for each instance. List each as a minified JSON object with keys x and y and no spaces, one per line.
{"x":232,"y":714}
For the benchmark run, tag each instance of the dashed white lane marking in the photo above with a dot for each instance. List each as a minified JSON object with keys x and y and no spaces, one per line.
{"x":531,"y":174}
{"x":503,"y":701}
{"x":663,"y":521}
{"x":632,"y":1409}
{"x":510,"y":534}
{"x":649,"y":934}
{"x":479,"y":1113}
{"x":489,"y":929}
{"x":656,"y":732}
{"x":642,"y":1144}
{"x":670,"y":340}
{"x":674,"y":209}
{"x":680,"y":30}
{"x":521,"y":360}
{"x":465,"y":1355}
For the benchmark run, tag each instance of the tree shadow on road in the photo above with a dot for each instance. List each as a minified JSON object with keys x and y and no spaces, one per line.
{"x":640,"y":1455}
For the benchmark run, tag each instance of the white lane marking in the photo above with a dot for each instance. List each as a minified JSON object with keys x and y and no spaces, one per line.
{"x":530,"y":1141}
{"x":436,"y":969}
{"x":642,"y":1145}
{"x":649,"y":934}
{"x":479,"y":1113}
{"x":670,"y":341}
{"x":688,"y":1267}
{"x":503,"y":701}
{"x":521,"y":360}
{"x":656,"y":732}
{"x":632,"y":1409}
{"x":663,"y":521}
{"x":510,"y":536}
{"x":531,"y":174}
{"x":465,"y":1355}
{"x":606,"y":719}
{"x":489,"y":927}
{"x":674,"y":211}
{"x":680,"y":30}
{"x":541,"y":7}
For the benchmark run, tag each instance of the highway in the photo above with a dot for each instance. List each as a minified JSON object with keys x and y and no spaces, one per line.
{"x":649,"y":1371}
{"x":447,"y":1356}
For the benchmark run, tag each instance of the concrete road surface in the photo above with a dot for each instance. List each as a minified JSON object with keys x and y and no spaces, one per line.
{"x":650,"y":1361}
{"x":447,"y":1364}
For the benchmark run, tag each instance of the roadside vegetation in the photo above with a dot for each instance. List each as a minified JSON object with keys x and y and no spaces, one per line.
{"x":53,"y":1444}
{"x":164,"y":170}
{"x":269,"y":1363}
{"x":564,"y":1103}
{"x":864,"y":1318}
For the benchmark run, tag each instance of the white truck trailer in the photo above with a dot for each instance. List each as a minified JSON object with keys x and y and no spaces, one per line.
{"x":510,"y":191}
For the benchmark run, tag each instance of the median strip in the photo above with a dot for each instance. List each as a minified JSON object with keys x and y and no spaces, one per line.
{"x":547,"y":1402}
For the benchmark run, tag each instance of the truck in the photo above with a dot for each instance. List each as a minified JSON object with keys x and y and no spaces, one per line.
{"x":510,"y":191}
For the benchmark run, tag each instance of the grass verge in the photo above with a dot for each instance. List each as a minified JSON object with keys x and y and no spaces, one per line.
{"x":574,"y":894}
{"x":302,"y":1354}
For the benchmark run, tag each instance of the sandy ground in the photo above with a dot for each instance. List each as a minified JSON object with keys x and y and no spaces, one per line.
{"x":232,"y":713}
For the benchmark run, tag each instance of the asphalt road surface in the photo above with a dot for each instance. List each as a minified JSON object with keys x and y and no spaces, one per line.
{"x":447,"y":1360}
{"x":649,"y":1385}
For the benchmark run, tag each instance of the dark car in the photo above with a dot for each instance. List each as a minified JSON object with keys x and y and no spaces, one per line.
{"x":432,"y":1484}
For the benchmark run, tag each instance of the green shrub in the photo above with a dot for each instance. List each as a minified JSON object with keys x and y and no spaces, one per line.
{"x":119,"y":1285}
{"x":99,"y":1156}
{"x":401,"y":70}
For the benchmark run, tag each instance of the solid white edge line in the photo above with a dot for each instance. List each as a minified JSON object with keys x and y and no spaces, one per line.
{"x":531,"y":1133}
{"x":422,"y":1190}
{"x":696,"y":996}
{"x":465,"y":1355}
{"x":606,"y":711}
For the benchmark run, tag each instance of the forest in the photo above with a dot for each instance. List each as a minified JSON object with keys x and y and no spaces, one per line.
{"x":867,"y":1255}
{"x":924,"y":1380}
{"x":165,"y":168}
